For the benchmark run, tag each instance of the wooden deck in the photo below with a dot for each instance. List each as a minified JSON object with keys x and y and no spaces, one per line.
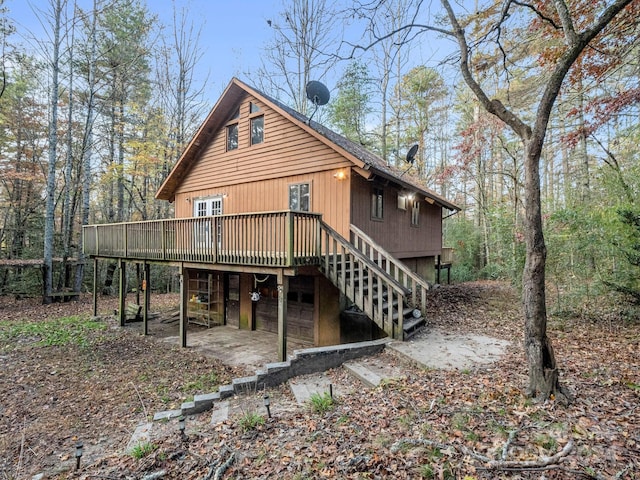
{"x":272,"y":239}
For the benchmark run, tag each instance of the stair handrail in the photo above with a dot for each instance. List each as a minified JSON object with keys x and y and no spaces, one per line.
{"x":398,"y":290}
{"x":417,"y":285}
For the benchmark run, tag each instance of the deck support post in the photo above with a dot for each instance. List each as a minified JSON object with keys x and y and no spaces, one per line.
{"x":283,"y":290}
{"x":122,"y":291}
{"x":145,"y":298}
{"x":95,"y":287}
{"x":184,"y":302}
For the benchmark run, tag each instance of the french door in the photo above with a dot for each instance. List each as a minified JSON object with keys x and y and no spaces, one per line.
{"x":207,"y":207}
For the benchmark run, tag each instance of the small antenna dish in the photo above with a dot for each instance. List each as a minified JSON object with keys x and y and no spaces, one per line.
{"x":317,"y":92}
{"x":410,"y":158}
{"x":319,"y":95}
{"x":411,"y":154}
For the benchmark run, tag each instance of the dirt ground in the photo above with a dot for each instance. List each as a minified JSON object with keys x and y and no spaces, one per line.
{"x":468,"y":423}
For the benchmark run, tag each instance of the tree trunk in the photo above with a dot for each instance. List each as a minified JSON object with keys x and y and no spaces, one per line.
{"x":108,"y":279}
{"x":49,"y":224}
{"x":543,"y":372}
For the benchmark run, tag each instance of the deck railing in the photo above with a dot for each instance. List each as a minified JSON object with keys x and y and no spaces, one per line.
{"x":281,"y":239}
{"x":413,"y":282}
{"x":377,"y":294}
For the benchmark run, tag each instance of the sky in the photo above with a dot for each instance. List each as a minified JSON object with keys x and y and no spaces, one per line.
{"x":232,"y":35}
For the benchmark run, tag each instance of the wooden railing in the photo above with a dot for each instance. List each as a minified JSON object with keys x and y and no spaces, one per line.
{"x":281,"y":239}
{"x":447,"y":255}
{"x":374,"y":292}
{"x":414,"y":283}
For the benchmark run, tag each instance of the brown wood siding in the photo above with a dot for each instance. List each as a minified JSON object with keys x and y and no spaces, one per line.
{"x":395,"y":232}
{"x":287,"y":150}
{"x":256,"y":178}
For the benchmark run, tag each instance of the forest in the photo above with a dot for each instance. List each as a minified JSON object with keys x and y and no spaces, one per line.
{"x":93,"y":119}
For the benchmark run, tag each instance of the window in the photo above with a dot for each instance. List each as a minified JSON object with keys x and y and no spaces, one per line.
{"x":232,"y":137}
{"x":299,"y":197}
{"x":377,"y":196}
{"x":253,"y":108}
{"x":257,"y":130}
{"x":415,"y":213}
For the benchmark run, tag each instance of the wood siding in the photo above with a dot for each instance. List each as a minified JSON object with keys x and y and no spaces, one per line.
{"x":256,"y":178}
{"x":395,"y":232}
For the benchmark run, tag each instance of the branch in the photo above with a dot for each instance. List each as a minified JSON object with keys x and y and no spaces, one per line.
{"x":377,"y":39}
{"x":538,"y":13}
{"x":567,"y":25}
{"x":531,"y":464}
{"x":488,"y":463}
{"x":494,"y":107}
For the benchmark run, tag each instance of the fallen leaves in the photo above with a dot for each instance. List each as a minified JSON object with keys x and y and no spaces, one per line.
{"x":475,"y":424}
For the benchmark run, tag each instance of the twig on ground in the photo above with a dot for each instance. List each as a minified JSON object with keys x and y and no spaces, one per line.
{"x":530,"y":464}
{"x":488,"y":463}
{"x":216,"y":470}
{"x":22,"y":441}
{"x":144,"y":409}
{"x":507,"y":444}
{"x":223,"y":468}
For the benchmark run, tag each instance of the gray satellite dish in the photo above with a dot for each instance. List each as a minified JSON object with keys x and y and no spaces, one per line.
{"x":411,"y":154}
{"x":318,"y":93}
{"x":410,"y":158}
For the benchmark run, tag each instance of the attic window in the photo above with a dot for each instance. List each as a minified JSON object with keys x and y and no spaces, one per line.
{"x":253,"y":108}
{"x":257,"y":130}
{"x":232,"y":137}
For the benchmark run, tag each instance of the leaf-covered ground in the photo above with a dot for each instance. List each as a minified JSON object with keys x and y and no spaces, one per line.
{"x":470,"y":424}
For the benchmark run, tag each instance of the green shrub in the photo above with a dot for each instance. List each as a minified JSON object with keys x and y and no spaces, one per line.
{"x":250,"y":421}
{"x":141,"y":450}
{"x":321,"y":403}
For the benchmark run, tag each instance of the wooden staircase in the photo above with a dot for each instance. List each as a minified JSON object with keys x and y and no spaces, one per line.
{"x":378,"y":284}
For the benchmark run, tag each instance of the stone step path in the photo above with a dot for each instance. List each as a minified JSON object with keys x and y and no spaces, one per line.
{"x":370,"y":371}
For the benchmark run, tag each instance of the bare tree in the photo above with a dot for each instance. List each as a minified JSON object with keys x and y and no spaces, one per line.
{"x":577,"y":31}
{"x":178,"y":58}
{"x":303,"y":35}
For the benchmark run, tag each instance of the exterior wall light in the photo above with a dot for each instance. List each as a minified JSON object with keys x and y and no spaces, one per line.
{"x":182,"y":423}
{"x":340,"y":175}
{"x":267,"y":404}
{"x":79,"y":447}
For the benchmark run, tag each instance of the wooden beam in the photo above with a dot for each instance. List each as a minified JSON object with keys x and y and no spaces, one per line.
{"x":184,"y":303}
{"x":145,"y":299}
{"x":95,"y":287}
{"x":122,"y":292}
{"x":283,"y":290}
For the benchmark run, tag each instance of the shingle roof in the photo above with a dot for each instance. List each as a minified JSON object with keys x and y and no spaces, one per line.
{"x":374,"y":162}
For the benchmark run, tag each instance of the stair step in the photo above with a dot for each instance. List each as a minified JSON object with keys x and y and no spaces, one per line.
{"x":362,"y":373}
{"x":413,"y":326}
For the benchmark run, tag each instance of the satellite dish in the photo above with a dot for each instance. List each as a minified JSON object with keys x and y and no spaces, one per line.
{"x":317,"y":92}
{"x":411,"y":154}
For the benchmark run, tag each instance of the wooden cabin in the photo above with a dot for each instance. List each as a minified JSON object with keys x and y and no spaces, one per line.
{"x":281,"y":225}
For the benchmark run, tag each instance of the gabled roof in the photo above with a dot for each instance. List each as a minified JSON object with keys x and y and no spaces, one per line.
{"x":369,"y":164}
